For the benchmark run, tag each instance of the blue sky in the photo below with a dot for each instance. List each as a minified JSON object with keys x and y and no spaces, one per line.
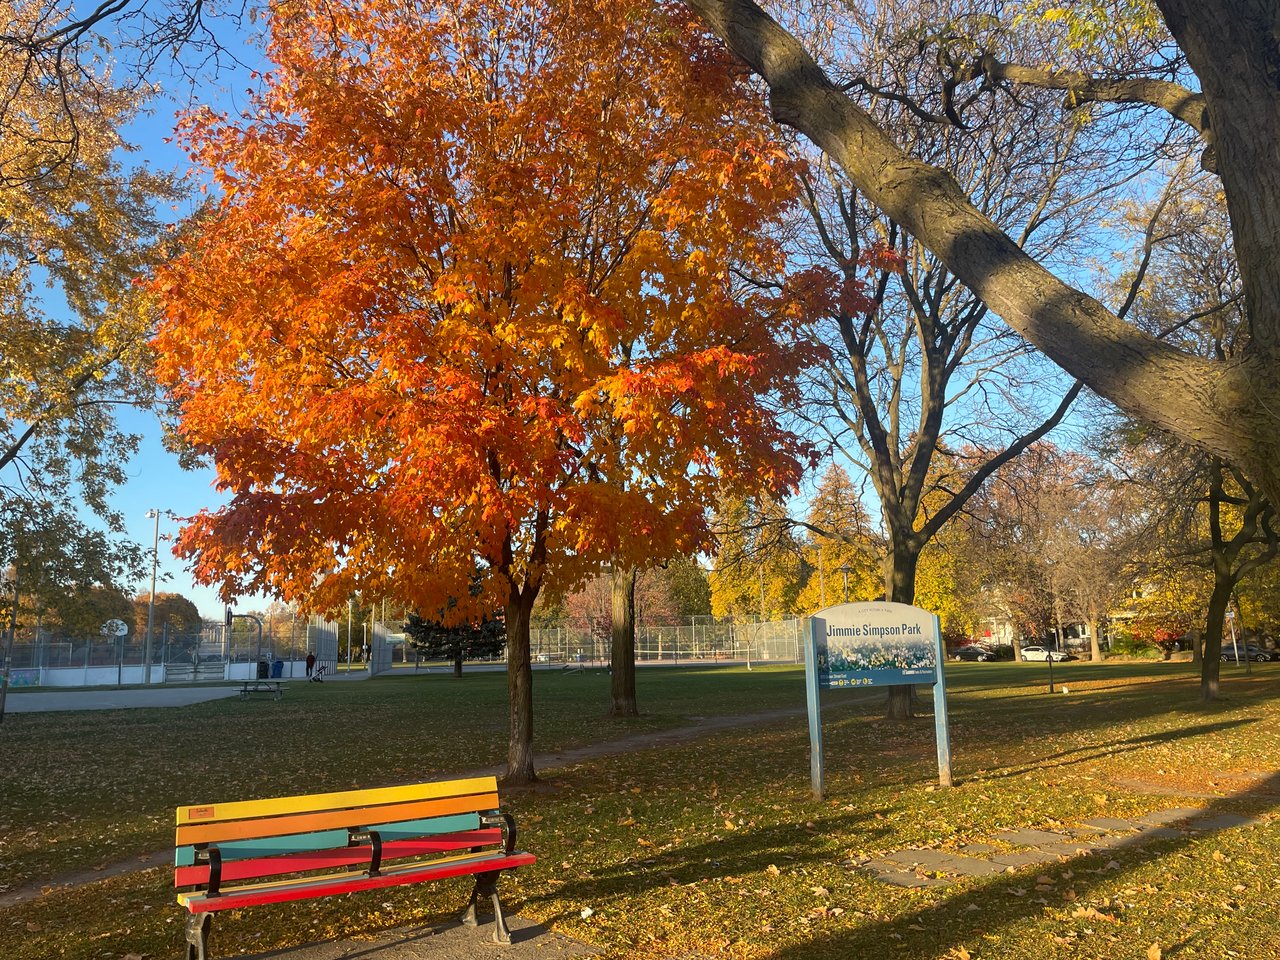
{"x":156,"y":481}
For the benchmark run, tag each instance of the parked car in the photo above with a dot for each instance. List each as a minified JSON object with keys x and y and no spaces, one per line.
{"x":974,"y":653}
{"x":1256,"y":654}
{"x":1040,"y":653}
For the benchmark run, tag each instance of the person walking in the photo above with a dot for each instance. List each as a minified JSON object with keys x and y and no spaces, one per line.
{"x":311,"y":664}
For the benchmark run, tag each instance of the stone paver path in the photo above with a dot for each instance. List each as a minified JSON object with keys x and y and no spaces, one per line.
{"x":1015,"y":849}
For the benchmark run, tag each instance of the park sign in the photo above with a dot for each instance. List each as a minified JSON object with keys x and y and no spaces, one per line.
{"x":874,"y":644}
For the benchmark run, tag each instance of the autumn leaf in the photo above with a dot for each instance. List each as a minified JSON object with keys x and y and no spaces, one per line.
{"x":1092,"y":913}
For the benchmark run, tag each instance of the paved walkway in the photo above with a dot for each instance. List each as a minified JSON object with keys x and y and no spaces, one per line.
{"x":1011,"y":850}
{"x":48,"y":701}
{"x":109,"y":698}
{"x":445,"y":941}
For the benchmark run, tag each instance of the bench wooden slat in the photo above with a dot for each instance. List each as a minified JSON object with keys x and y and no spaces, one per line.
{"x":311,"y":887}
{"x":310,"y":803}
{"x":308,"y":822}
{"x":331,"y":857}
{"x":185,"y":856}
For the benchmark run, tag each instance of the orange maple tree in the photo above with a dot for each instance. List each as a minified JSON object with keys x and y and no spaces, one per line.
{"x":470,"y":316}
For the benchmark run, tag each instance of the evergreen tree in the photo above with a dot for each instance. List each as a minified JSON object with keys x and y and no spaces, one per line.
{"x":466,"y":641}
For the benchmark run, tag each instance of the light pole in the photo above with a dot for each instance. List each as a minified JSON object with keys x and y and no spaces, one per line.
{"x":151,"y":603}
{"x":846,"y":569}
{"x":11,"y":588}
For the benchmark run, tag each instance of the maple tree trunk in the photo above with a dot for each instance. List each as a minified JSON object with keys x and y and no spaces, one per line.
{"x":1095,"y":641}
{"x":520,"y":690}
{"x":622,"y":686}
{"x":457,"y":663}
{"x":900,"y":587}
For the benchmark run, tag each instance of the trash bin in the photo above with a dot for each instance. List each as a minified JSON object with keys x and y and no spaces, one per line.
{"x":264,"y":670}
{"x":277,"y":669}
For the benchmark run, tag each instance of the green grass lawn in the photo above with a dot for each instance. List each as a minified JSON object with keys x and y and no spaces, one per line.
{"x":711,"y":848}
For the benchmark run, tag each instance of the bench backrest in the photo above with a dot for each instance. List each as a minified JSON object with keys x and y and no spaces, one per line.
{"x":358,"y":830}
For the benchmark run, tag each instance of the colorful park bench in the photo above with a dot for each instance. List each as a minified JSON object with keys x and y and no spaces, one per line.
{"x":252,"y":852}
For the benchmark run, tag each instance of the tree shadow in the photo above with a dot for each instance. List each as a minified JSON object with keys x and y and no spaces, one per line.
{"x":742,"y":852}
{"x":1065,"y":758}
{"x":969,"y":916}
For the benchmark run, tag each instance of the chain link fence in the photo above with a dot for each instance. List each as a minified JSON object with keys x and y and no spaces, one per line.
{"x":213,"y":654}
{"x":701,"y":640}
{"x":210,"y":654}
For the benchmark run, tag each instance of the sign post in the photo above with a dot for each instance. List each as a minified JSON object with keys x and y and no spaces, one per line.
{"x":941,"y":719}
{"x":811,"y":689}
{"x":874,"y":644}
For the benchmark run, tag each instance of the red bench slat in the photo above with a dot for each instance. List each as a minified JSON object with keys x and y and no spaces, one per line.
{"x":325,"y":887}
{"x":337,"y":857}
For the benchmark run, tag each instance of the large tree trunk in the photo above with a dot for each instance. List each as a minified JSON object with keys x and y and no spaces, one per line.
{"x":1230,"y":409}
{"x":1095,"y":641}
{"x":457,"y":664}
{"x":900,"y":587}
{"x":520,"y":689}
{"x":622,"y":685}
{"x":1232,"y":47}
{"x":1211,"y":666}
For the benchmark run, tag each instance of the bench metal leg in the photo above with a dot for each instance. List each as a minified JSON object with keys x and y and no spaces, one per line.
{"x":487,"y":886}
{"x":198,"y":925}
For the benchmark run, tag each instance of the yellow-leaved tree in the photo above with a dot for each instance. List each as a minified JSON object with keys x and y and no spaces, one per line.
{"x":77,"y":228}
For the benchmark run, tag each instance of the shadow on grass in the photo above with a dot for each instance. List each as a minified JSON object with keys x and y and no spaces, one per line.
{"x":969,"y":908}
{"x":1085,"y":754}
{"x":742,"y":852}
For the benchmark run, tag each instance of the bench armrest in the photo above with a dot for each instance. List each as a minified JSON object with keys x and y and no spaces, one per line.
{"x":500,"y":818}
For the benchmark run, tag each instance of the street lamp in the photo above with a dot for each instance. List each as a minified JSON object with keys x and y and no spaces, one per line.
{"x":846,"y":570}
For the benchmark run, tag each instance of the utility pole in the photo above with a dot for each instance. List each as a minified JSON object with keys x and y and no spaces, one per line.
{"x":151,"y":603}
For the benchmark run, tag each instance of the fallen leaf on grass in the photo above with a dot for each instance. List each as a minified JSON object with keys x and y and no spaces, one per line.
{"x":1154,"y":952}
{"x":1090,"y":913}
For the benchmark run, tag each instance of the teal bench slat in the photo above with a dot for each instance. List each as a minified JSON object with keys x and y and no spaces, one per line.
{"x":328,"y":839}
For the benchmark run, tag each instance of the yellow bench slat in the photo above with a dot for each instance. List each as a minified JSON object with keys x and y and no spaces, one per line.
{"x":208,"y":813}
{"x":327,"y":819}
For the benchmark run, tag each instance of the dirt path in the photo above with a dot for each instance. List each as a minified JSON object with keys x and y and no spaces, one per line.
{"x":703,"y":727}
